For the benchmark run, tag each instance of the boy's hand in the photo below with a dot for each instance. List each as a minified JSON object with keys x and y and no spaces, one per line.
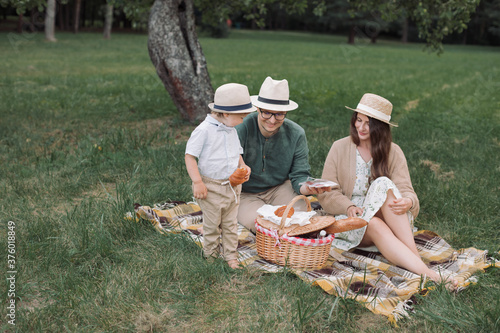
{"x":199,"y":190}
{"x":249,"y":171}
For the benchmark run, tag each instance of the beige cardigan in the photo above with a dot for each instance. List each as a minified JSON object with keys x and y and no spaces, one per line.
{"x":340,"y":167}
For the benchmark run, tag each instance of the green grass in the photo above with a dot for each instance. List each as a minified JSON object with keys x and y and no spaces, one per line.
{"x":87,"y":129}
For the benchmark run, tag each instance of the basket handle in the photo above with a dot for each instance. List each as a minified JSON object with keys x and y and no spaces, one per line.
{"x":289,"y":206}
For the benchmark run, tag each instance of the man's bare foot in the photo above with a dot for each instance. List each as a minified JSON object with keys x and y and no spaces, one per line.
{"x":234,"y":264}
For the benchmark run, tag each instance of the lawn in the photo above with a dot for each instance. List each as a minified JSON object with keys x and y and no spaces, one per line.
{"x":87,"y":130}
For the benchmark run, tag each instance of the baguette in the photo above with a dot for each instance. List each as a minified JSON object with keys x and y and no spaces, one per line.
{"x":347,"y":224}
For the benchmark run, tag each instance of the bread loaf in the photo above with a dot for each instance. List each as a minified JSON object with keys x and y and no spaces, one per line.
{"x":238,"y":177}
{"x":347,"y":224}
{"x":280,"y":211}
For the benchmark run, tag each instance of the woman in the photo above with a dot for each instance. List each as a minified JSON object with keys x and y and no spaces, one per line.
{"x":375,"y":185}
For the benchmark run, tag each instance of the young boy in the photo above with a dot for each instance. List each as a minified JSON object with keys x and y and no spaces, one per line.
{"x":216,"y":145}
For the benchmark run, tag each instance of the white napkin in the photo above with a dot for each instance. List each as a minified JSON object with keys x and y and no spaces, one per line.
{"x":300,"y":218}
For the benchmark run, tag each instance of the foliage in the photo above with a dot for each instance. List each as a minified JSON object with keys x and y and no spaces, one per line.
{"x":339,"y":12}
{"x":218,"y":11}
{"x":339,"y":15}
{"x":136,"y":10}
{"x":23,"y":5}
{"x":214,"y":14}
{"x":492,"y":12}
{"x":329,"y":16}
{"x":435,"y":19}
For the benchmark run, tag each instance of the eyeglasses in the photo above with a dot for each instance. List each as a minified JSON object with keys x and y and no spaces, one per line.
{"x":267,"y":115}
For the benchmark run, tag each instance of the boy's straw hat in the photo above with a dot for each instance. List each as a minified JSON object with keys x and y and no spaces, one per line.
{"x":376,"y":107}
{"x":274,"y":95}
{"x":232,"y":98}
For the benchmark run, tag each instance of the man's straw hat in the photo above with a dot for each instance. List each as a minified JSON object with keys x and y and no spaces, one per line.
{"x":232,"y":98}
{"x":274,"y":96}
{"x":376,"y":107}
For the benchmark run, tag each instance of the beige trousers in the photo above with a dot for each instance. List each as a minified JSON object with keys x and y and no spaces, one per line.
{"x":276,"y":196}
{"x":220,"y":209}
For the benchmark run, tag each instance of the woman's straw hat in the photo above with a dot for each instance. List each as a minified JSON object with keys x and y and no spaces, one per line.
{"x":232,"y":98}
{"x":376,"y":107}
{"x":274,"y":95}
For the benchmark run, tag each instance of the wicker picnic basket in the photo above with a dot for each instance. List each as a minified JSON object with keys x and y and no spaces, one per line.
{"x":276,"y":246}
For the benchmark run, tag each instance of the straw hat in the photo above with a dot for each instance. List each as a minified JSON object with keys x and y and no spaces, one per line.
{"x":274,"y":95}
{"x":232,"y":98}
{"x":375,"y":106}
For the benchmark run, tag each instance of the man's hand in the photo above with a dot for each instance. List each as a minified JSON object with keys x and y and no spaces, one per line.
{"x":307,"y":190}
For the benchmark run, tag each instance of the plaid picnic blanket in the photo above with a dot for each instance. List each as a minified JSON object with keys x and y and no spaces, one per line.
{"x":364,"y":276}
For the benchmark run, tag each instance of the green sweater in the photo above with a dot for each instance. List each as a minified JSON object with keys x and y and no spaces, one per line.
{"x":274,"y":160}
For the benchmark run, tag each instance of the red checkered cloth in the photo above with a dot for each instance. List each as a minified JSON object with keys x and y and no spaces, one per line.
{"x":295,"y":240}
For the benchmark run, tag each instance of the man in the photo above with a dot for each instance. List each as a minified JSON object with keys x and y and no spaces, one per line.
{"x":275,"y":148}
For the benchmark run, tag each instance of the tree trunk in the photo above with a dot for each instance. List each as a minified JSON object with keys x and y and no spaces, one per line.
{"x":60,"y":16}
{"x":254,"y":23}
{"x":76,"y":21}
{"x":20,"y":24}
{"x":178,"y":58}
{"x":108,"y":21}
{"x":404,"y":34}
{"x":66,"y":17}
{"x":50,"y":18}
{"x":33,"y":20}
{"x":352,"y":35}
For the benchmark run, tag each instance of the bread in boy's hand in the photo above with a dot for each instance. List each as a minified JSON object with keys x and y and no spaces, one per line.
{"x":238,"y":177}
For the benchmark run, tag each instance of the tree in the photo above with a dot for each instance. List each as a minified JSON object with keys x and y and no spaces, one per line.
{"x":493,"y":10}
{"x":21,"y":7}
{"x":50,"y":13}
{"x":484,"y":27}
{"x":404,"y":33}
{"x":76,"y":16}
{"x":178,"y":58}
{"x":340,"y":14}
{"x":108,"y":21}
{"x":179,"y":61}
{"x":176,"y":52}
{"x":50,"y":20}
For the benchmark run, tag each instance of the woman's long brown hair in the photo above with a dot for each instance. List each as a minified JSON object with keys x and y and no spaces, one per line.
{"x":380,"y":139}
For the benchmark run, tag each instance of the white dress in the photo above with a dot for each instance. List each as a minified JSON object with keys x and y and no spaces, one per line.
{"x":370,"y":198}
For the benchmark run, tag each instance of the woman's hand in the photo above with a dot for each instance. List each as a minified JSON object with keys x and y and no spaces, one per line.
{"x":400,"y":206}
{"x":199,"y":190}
{"x":354,"y":211}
